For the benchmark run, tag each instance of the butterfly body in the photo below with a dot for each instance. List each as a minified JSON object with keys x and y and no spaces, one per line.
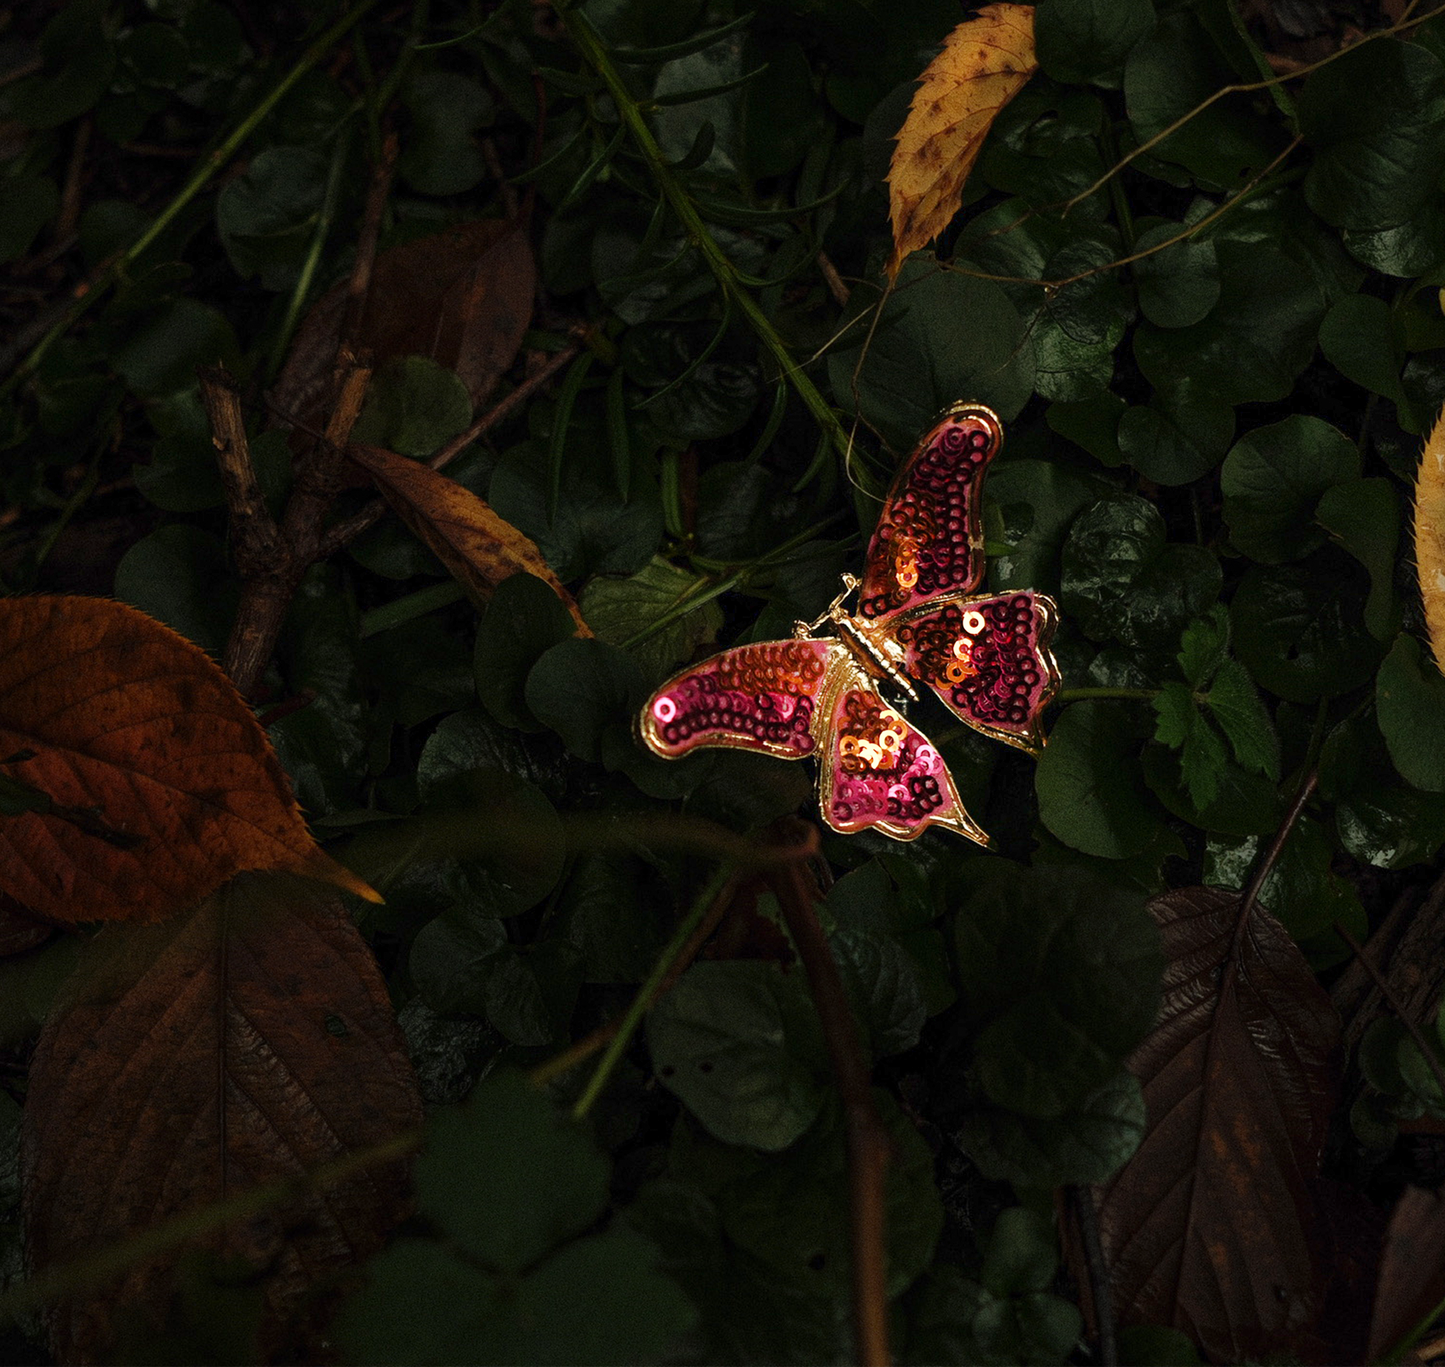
{"x":919,"y":621}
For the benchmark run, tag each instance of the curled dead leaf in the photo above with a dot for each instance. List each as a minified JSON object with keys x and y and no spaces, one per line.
{"x":1210,"y":1227}
{"x":476,"y":545}
{"x":189,"y":1062}
{"x":462,"y":297}
{"x":985,"y":62}
{"x":163,"y":785}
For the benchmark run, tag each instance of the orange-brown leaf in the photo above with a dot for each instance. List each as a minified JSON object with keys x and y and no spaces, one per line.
{"x":984,"y":63}
{"x":1412,"y":1269}
{"x":189,"y":1062}
{"x":476,"y":545}
{"x":462,"y":296}
{"x":163,"y":783}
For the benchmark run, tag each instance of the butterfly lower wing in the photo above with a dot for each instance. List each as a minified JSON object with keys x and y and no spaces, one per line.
{"x":878,"y":770}
{"x":756,"y":697}
{"x":929,"y":538}
{"x":987,"y":658}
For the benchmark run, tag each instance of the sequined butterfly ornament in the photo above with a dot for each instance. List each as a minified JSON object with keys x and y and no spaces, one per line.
{"x":918,"y":621}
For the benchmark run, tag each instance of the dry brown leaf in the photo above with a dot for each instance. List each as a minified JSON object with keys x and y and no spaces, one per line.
{"x":1430,"y":538}
{"x":167,"y":783}
{"x":476,"y":545}
{"x":1412,"y":1269}
{"x":984,"y":63}
{"x":1211,"y":1228}
{"x":462,"y":296}
{"x":248,"y":1041}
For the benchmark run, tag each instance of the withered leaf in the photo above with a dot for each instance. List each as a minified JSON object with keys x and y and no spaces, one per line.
{"x":188,"y":1062}
{"x":476,"y":545}
{"x":984,"y":63}
{"x":1209,"y":1228}
{"x":1430,"y":537}
{"x":462,"y":296}
{"x":136,"y":727}
{"x":1412,"y":1269}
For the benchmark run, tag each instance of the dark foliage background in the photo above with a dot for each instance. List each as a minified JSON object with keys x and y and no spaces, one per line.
{"x":1210,"y":450}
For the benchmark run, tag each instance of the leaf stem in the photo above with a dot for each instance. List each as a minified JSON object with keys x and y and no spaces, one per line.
{"x":592,"y":49}
{"x":712,"y":897}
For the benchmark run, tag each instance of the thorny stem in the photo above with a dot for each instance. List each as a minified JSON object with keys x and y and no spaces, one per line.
{"x":867,"y":1141}
{"x":1276,"y":846}
{"x":591,"y":47}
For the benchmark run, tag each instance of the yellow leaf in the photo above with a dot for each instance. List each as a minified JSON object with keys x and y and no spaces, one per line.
{"x":1430,"y":538}
{"x":984,"y":63}
{"x":468,"y":538}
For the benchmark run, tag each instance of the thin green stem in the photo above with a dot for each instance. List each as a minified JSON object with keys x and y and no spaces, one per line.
{"x":592,"y":49}
{"x":1068,"y":695}
{"x":640,"y":1003}
{"x":324,"y":219}
{"x":198,"y":181}
{"x":412,"y":605}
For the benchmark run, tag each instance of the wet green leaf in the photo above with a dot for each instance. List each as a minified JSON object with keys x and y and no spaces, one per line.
{"x":524,"y":620}
{"x":1089,"y":785}
{"x":1410,"y":703}
{"x":619,"y":609}
{"x":740,"y":1045}
{"x":1079,"y":39}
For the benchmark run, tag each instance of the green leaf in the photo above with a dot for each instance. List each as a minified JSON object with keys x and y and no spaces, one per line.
{"x":957,"y":1321}
{"x":1172,"y":71}
{"x":524,"y":620}
{"x":590,"y":694}
{"x":1300,"y":631}
{"x":739,"y":1043}
{"x":1109,"y":544}
{"x":1362,"y":338}
{"x":267,"y":215}
{"x":1061,"y":970}
{"x":1272,"y":480}
{"x":1175,"y":439}
{"x":1407,"y":249}
{"x":619,"y":609}
{"x":1230,"y":800}
{"x":1363,"y":516}
{"x":413,"y":407}
{"x":1176,"y":710}
{"x":1089,"y":785}
{"x":79,"y":63}
{"x":1410,"y":705}
{"x":451,"y":960}
{"x":1178,"y":284}
{"x":883,"y":985}
{"x":30,"y":203}
{"x":419,"y":1305}
{"x":531,"y":992}
{"x":507,"y":1176}
{"x":941,"y":334}
{"x":1077,"y":40}
{"x":1253,"y":344}
{"x":1088,"y":1144}
{"x":1391,"y":828}
{"x":173,"y":575}
{"x":1202,"y":647}
{"x":1235,"y":704}
{"x":610,"y":913}
{"x":442,"y":156}
{"x":595,"y":530}
{"x":791,"y":1214}
{"x":1092,"y":424}
{"x":600,"y":1301}
{"x":1039,"y":500}
{"x":162,"y":355}
{"x":1372,"y":117}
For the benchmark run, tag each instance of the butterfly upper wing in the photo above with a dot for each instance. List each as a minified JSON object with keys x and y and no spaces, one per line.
{"x":878,"y":770}
{"x":756,"y":697}
{"x":987,"y":658}
{"x":929,"y":538}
